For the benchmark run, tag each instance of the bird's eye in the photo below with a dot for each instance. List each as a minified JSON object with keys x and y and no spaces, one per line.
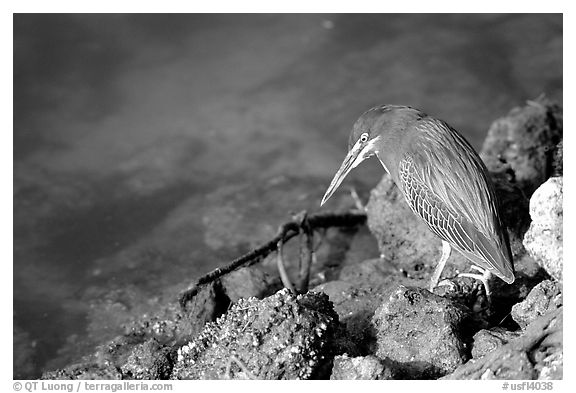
{"x":364,"y":137}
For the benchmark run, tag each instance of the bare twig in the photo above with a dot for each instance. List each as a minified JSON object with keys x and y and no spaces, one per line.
{"x":287,"y":231}
{"x":306,"y":257}
{"x":282,"y":270}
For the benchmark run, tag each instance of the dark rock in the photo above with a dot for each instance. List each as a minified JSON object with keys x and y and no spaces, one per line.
{"x":370,"y":273}
{"x":514,"y":208}
{"x":361,"y":289}
{"x":362,"y":247}
{"x":343,"y":343}
{"x":544,"y":297}
{"x":420,"y":332}
{"x":522,"y":144}
{"x":544,"y":239}
{"x":246,"y":282}
{"x":84,"y":371}
{"x":536,"y":353}
{"x":280,"y":337}
{"x":361,"y":367}
{"x":505,"y":296}
{"x":148,"y":360}
{"x":169,"y":323}
{"x":206,"y":306}
{"x":486,"y":341}
{"x":355,"y":307}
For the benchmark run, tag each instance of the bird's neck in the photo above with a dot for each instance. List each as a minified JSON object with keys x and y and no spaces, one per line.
{"x":388,"y":165}
{"x":390,"y":155}
{"x":400,"y":129}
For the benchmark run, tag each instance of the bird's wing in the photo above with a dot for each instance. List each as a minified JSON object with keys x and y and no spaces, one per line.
{"x":447,"y":187}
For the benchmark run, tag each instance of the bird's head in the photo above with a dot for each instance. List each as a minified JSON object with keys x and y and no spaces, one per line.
{"x":363,"y":144}
{"x":376,"y":130}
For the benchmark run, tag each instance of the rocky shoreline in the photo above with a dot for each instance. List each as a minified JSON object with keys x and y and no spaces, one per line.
{"x":372,"y":319}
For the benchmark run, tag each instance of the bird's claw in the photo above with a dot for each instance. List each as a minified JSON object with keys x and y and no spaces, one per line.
{"x":483,"y":278}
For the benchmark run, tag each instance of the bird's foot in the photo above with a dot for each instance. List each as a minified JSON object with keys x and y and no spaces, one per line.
{"x":455,"y":289}
{"x":483,"y":277}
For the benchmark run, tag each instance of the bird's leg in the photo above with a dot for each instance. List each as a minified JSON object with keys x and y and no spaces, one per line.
{"x":483,"y":277}
{"x":440,"y":266}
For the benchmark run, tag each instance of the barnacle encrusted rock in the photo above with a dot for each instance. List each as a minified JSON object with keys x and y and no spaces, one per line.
{"x":149,"y":360}
{"x":544,"y":239}
{"x":84,"y":371}
{"x":283,"y":336}
{"x":420,"y":333}
{"x":356,"y":299}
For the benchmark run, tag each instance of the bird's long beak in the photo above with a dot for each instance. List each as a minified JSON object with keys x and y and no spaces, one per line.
{"x":354,"y":157}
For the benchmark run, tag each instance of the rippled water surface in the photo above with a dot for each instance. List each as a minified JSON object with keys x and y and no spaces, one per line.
{"x":150,"y":149}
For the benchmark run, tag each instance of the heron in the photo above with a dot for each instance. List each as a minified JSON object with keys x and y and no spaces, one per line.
{"x":443,"y":181}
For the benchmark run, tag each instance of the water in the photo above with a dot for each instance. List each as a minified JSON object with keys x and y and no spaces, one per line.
{"x":151,"y":149}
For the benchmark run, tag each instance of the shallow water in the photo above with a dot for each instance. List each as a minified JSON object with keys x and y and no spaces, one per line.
{"x":150,"y":149}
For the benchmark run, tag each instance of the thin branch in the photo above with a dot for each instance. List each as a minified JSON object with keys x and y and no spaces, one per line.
{"x":287,"y":231}
{"x":282,"y":270}
{"x":306,"y":257}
